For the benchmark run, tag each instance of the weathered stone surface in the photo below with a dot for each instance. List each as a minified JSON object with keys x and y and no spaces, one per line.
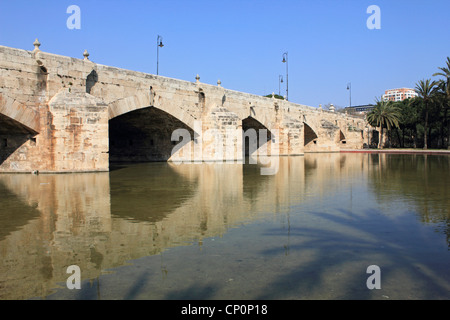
{"x":18,"y":112}
{"x":80,"y":132}
{"x":65,"y":114}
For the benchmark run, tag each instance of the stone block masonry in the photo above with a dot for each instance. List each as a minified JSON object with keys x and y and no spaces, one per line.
{"x":62,"y":114}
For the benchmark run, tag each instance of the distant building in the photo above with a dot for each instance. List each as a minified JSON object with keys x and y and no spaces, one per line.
{"x":399,"y":94}
{"x":363,"y":109}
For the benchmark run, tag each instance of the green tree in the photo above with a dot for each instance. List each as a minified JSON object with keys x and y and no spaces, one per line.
{"x":444,"y":97}
{"x":426,"y":89}
{"x":384,"y":114}
{"x":411,"y":118}
{"x":407,"y":122}
{"x":441,"y":104}
{"x":445,"y":72}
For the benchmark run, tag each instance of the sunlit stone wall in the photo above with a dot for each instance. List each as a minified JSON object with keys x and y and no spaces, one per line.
{"x":61,"y":112}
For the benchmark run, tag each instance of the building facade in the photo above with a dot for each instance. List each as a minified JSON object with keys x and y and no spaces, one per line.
{"x":399,"y":94}
{"x":362,"y":109}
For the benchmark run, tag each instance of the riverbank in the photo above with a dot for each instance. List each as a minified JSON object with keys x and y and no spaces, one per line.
{"x":399,"y":151}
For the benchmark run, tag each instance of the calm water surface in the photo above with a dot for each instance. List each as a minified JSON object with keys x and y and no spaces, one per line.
{"x":224,"y":231}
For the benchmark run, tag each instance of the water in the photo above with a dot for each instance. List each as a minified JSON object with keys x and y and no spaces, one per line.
{"x":224,"y":231}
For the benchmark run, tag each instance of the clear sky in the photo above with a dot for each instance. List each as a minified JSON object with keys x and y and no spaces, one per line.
{"x":241,"y":42}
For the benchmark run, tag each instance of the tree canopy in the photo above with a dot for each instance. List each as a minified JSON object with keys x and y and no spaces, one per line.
{"x":423,"y":121}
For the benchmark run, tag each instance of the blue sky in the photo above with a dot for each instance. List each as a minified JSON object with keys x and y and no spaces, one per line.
{"x":242,"y":42}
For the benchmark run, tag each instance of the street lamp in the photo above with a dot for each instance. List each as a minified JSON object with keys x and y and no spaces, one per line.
{"x":285,"y":60}
{"x":159,"y":44}
{"x":280,"y":80}
{"x":349,"y":87}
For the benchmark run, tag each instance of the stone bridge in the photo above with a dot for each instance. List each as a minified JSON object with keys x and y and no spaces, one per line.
{"x":61,"y":114}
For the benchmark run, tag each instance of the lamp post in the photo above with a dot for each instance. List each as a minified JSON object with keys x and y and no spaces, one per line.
{"x":285,"y":60}
{"x":280,"y":81}
{"x":159,"y":44}
{"x":349,"y":87}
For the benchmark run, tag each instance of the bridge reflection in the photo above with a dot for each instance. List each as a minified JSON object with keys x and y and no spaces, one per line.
{"x":100,"y":221}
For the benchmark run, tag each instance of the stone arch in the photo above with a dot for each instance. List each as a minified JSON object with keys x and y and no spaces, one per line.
{"x":19,"y":115}
{"x":310,"y":135}
{"x":255,"y":134}
{"x":341,"y":137}
{"x":140,"y":132}
{"x":18,"y":124}
{"x":255,"y":112}
{"x":374,"y":138}
{"x":145,"y":100}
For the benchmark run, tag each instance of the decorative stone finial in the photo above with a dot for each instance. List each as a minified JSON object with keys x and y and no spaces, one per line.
{"x":86,"y":55}
{"x":197,"y":78}
{"x":36,"y":44}
{"x":331,"y":107}
{"x":219,"y":83}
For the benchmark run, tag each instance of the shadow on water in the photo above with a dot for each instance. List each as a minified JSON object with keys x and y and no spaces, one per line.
{"x":342,"y":253}
{"x":331,"y":241}
{"x":193,"y":293}
{"x":339,"y":214}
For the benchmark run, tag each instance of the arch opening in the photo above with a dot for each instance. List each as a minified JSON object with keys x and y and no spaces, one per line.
{"x":374,"y":139}
{"x":341,"y":137}
{"x":144,"y":135}
{"x":254,"y":136}
{"x":310,"y":134}
{"x":13,"y":135}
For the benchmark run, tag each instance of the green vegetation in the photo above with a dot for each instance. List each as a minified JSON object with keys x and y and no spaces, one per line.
{"x":385,"y":114}
{"x":276,"y":96}
{"x":420,"y":122}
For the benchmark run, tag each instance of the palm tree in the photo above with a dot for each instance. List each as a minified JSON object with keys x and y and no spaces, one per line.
{"x":426,"y":89}
{"x":384,"y":114}
{"x":441,"y":106}
{"x":444,"y":86}
{"x":446,"y":74}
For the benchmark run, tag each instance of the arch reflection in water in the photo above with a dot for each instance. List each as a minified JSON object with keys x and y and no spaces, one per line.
{"x":71,"y":220}
{"x":100,"y":221}
{"x":314,"y":206}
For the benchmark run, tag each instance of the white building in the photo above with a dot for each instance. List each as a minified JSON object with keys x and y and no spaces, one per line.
{"x":399,"y":94}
